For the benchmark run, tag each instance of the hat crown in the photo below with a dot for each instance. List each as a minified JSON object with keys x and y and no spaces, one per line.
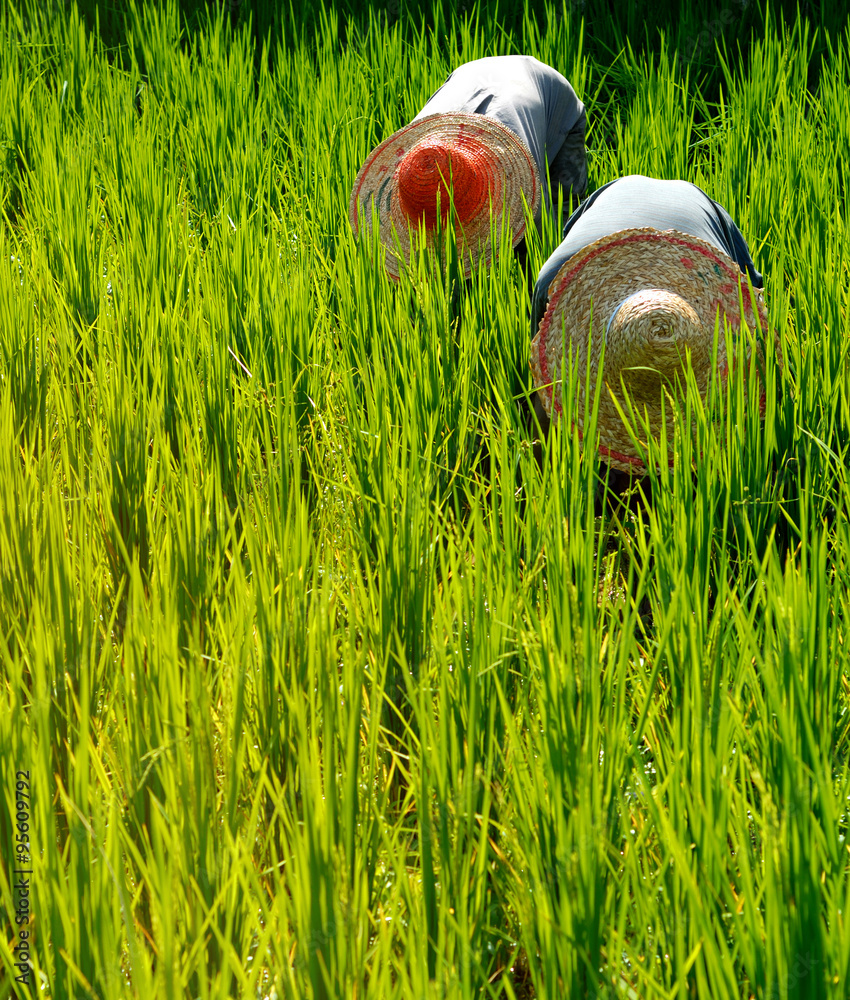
{"x":424,"y":176}
{"x":505,"y":176}
{"x":649,"y":336}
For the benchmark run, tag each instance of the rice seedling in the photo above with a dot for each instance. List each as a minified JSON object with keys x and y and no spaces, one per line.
{"x":328,"y":683}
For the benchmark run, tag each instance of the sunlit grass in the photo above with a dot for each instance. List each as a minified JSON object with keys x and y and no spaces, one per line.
{"x":329,"y":688}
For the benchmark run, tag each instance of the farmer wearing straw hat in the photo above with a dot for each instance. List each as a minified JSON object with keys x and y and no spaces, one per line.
{"x":644,"y":267}
{"x":492,"y":129}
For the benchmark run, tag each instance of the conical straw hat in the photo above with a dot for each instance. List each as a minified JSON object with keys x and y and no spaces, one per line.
{"x":652,"y":298}
{"x":406,"y":178}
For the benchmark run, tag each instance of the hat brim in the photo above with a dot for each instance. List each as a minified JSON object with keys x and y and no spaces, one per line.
{"x":586,"y":292}
{"x":501,"y":154}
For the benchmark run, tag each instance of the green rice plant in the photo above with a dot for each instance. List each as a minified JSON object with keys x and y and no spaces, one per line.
{"x":330,"y":677}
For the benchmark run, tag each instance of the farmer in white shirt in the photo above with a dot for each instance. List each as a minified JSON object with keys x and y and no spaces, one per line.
{"x":645,"y":269}
{"x":494,"y":130}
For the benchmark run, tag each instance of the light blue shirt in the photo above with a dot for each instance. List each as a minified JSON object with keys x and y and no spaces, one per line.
{"x":636,"y":202}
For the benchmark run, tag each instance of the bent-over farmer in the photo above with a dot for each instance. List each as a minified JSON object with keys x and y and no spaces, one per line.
{"x":492,"y":129}
{"x":644,"y":267}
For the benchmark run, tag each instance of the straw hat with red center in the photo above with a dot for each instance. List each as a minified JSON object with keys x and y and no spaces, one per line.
{"x":408,"y":176}
{"x":652,"y":298}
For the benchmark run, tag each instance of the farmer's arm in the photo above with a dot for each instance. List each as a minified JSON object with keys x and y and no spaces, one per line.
{"x":737,"y":246}
{"x":568,"y":170}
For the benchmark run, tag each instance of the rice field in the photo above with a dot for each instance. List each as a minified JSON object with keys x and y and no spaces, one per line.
{"x":319,"y":678}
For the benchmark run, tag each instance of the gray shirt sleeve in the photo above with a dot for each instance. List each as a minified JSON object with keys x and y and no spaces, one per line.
{"x":635,"y":202}
{"x":533,"y":100}
{"x":568,"y":170}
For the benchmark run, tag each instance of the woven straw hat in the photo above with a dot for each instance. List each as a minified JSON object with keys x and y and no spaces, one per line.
{"x":407,"y":176}
{"x":652,"y":298}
